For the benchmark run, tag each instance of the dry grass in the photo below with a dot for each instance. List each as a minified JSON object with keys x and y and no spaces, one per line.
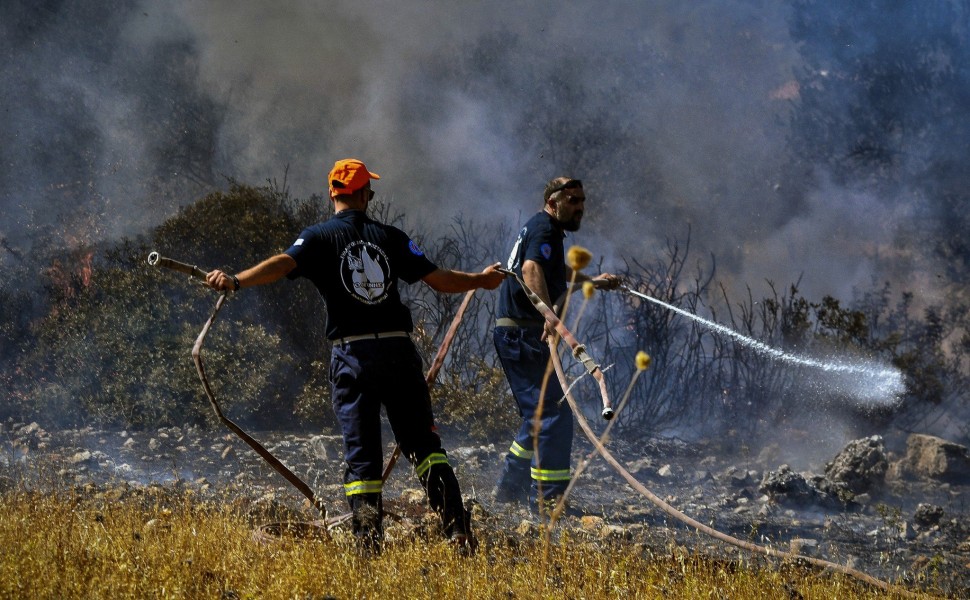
{"x":174,"y":545}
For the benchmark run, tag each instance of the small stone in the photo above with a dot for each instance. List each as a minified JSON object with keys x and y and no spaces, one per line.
{"x":804,"y":546}
{"x":591,"y":522}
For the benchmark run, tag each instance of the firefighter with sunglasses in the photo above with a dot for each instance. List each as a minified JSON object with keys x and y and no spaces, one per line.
{"x":540,"y":463}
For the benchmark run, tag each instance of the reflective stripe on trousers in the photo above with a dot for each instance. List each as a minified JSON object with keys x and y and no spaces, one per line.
{"x":524,"y":358}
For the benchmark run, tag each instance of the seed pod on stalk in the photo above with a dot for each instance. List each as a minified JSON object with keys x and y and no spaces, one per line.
{"x":578,"y":257}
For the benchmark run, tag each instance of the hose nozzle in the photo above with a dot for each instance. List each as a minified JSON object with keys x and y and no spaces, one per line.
{"x":156,"y":260}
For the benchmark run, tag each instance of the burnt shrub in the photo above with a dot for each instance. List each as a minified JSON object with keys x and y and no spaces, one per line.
{"x":478,"y":402}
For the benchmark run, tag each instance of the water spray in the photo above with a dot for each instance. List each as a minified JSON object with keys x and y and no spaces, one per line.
{"x":878,"y":383}
{"x":642,"y":362}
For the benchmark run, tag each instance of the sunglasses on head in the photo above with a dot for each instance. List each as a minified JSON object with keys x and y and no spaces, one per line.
{"x":570,"y":184}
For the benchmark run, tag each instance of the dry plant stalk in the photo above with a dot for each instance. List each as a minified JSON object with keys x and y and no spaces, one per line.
{"x":693,"y":523}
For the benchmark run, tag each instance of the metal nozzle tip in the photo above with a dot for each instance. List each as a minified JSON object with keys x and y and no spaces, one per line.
{"x":608,"y":413}
{"x":153,"y":258}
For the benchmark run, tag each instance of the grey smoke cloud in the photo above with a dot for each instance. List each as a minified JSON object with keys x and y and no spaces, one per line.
{"x":675,"y":114}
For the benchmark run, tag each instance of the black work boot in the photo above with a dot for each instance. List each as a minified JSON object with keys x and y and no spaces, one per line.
{"x":444,"y":497}
{"x":367,"y":522}
{"x":514,"y":483}
{"x":459,"y":533}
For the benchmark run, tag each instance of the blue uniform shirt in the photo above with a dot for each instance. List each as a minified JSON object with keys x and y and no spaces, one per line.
{"x":355,"y":262}
{"x":541,"y":241}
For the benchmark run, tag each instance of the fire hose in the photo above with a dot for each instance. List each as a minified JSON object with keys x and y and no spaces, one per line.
{"x":577,"y":349}
{"x":673,"y":512}
{"x":436,"y":364}
{"x":156,"y":260}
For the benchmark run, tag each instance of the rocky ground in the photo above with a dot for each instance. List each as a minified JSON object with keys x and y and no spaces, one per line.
{"x":903,"y":516}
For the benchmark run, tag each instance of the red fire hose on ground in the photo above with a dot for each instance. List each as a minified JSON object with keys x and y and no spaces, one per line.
{"x":155,"y":259}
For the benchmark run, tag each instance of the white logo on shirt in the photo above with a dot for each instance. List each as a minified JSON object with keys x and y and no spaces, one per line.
{"x":365,"y":272}
{"x":513,"y":261}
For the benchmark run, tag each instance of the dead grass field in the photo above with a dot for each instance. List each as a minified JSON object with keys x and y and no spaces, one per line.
{"x":160,"y":543}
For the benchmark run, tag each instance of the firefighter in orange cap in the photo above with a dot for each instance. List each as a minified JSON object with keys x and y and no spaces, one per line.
{"x":357,"y":264}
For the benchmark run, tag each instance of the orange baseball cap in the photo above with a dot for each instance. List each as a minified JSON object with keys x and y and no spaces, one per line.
{"x":348,"y":176}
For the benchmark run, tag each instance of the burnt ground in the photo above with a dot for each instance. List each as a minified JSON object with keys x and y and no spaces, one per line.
{"x":916,"y":533}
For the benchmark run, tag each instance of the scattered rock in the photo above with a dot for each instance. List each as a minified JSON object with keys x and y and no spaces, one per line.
{"x":803,"y":546}
{"x":31,"y":436}
{"x":616,"y":533}
{"x":325,"y":447}
{"x":861,"y":466}
{"x":642,"y":464}
{"x":928,"y":515}
{"x":740,"y":479}
{"x":81,"y":458}
{"x":793,"y":489}
{"x":930,"y":457}
{"x":591,"y":523}
{"x":703,"y":476}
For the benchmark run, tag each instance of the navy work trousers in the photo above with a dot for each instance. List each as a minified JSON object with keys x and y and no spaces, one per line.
{"x":525,"y":358}
{"x":368,"y":374}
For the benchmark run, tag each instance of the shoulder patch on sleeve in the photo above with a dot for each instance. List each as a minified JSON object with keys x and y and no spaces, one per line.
{"x":546,"y":250}
{"x":414,"y":248}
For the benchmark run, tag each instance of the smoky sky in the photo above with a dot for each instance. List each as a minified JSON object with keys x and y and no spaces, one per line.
{"x":678,"y":116}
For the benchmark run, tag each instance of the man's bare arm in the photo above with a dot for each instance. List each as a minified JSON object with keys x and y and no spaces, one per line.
{"x":534,"y":277}
{"x":453,"y":282}
{"x":603,"y":281}
{"x":272,"y":269}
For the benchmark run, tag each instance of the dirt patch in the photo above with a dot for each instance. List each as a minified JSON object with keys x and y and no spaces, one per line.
{"x":915,"y":531}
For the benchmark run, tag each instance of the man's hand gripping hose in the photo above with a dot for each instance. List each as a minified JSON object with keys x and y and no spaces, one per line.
{"x":157,"y":260}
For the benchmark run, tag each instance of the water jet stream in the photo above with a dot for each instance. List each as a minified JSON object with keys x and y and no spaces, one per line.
{"x":878,"y":383}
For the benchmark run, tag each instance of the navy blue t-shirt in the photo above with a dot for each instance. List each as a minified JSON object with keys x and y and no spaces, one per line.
{"x":356,"y":263}
{"x":541,"y":241}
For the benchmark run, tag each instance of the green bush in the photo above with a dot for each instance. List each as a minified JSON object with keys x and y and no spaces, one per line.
{"x":114,"y":347}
